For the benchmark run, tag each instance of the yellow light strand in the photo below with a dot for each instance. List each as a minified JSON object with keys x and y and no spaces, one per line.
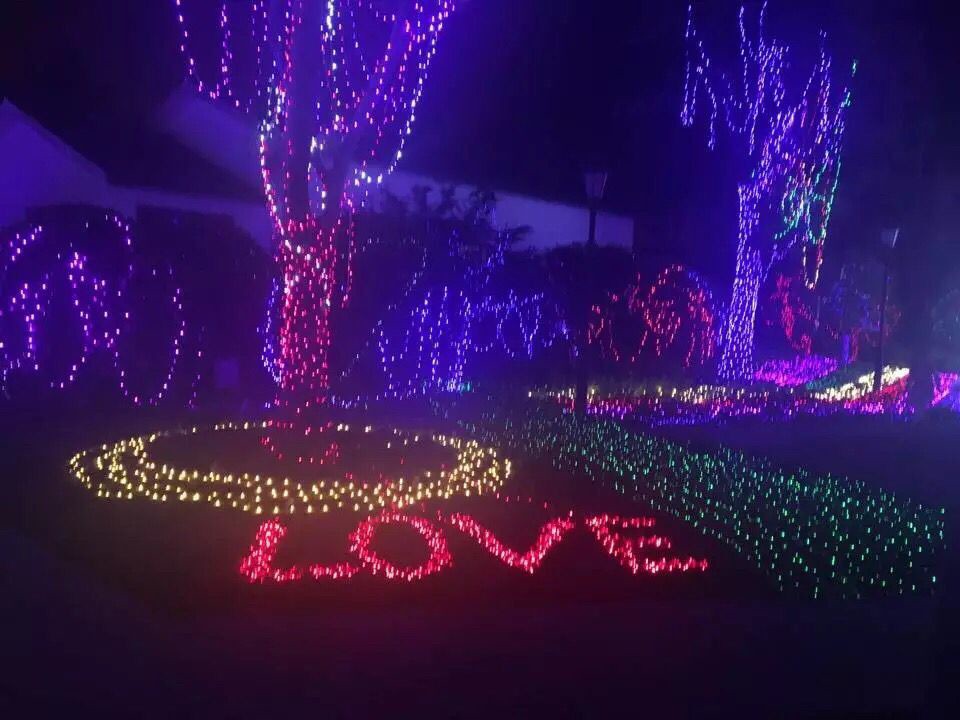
{"x":126,"y":470}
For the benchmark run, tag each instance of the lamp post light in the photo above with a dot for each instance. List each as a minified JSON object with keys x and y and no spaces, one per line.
{"x":595,"y":183}
{"x":888,"y":239}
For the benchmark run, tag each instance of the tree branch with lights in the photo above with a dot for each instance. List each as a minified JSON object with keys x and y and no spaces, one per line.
{"x":335,"y":85}
{"x":791,"y":141}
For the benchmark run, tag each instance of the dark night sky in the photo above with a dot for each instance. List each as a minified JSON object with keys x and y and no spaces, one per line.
{"x":524,"y":94}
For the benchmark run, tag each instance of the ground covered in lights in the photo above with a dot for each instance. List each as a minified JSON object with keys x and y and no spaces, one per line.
{"x":783,"y":391}
{"x":154,"y":606}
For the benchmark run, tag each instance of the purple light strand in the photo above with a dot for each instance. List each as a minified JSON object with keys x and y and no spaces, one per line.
{"x":794,"y":153}
{"x":99,"y":312}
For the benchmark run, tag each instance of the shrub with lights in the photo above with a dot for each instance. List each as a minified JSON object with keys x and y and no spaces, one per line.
{"x":77,"y":298}
{"x":446,"y":299}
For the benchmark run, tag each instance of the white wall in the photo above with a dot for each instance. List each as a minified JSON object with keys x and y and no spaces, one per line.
{"x":227,"y":138}
{"x":40,"y":169}
{"x":551,"y":224}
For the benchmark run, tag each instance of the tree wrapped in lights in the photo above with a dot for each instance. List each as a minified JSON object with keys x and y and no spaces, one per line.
{"x":678,"y":297}
{"x":792,"y":143}
{"x":335,"y":84}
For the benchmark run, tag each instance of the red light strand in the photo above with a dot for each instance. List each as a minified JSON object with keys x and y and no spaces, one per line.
{"x":439,"y":559}
{"x":624,"y":549}
{"x":257,"y":565}
{"x":550,"y":535}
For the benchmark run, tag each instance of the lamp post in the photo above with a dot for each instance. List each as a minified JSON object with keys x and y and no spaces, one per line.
{"x":595,"y":182}
{"x":888,"y":239}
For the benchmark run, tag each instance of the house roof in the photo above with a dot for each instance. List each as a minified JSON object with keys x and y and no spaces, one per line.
{"x":134,"y":153}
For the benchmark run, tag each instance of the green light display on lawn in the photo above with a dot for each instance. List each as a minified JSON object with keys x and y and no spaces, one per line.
{"x":814,"y":535}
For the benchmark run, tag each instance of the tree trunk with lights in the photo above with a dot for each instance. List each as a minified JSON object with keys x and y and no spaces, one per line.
{"x":736,"y":360}
{"x":792,"y":148}
{"x":337,"y":82}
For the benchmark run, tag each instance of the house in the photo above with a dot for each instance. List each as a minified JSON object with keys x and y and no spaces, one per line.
{"x":41,"y":169}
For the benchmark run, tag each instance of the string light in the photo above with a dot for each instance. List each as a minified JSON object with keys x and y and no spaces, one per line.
{"x":798,"y":371}
{"x":625,"y":549}
{"x":129,"y":469}
{"x":946,"y":321}
{"x":103,"y":310}
{"x":439,"y":559}
{"x":846,"y":315}
{"x":659,"y":406}
{"x":815,"y":535}
{"x":331,"y":453}
{"x":944,"y":386}
{"x":600,"y":331}
{"x":677,"y":297}
{"x":269,"y":355}
{"x":550,"y":535}
{"x":793,"y":148}
{"x":258,"y":564}
{"x":793,"y":313}
{"x":433,"y":336}
{"x":443,"y":333}
{"x":677,"y":309}
{"x":373,"y":68}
